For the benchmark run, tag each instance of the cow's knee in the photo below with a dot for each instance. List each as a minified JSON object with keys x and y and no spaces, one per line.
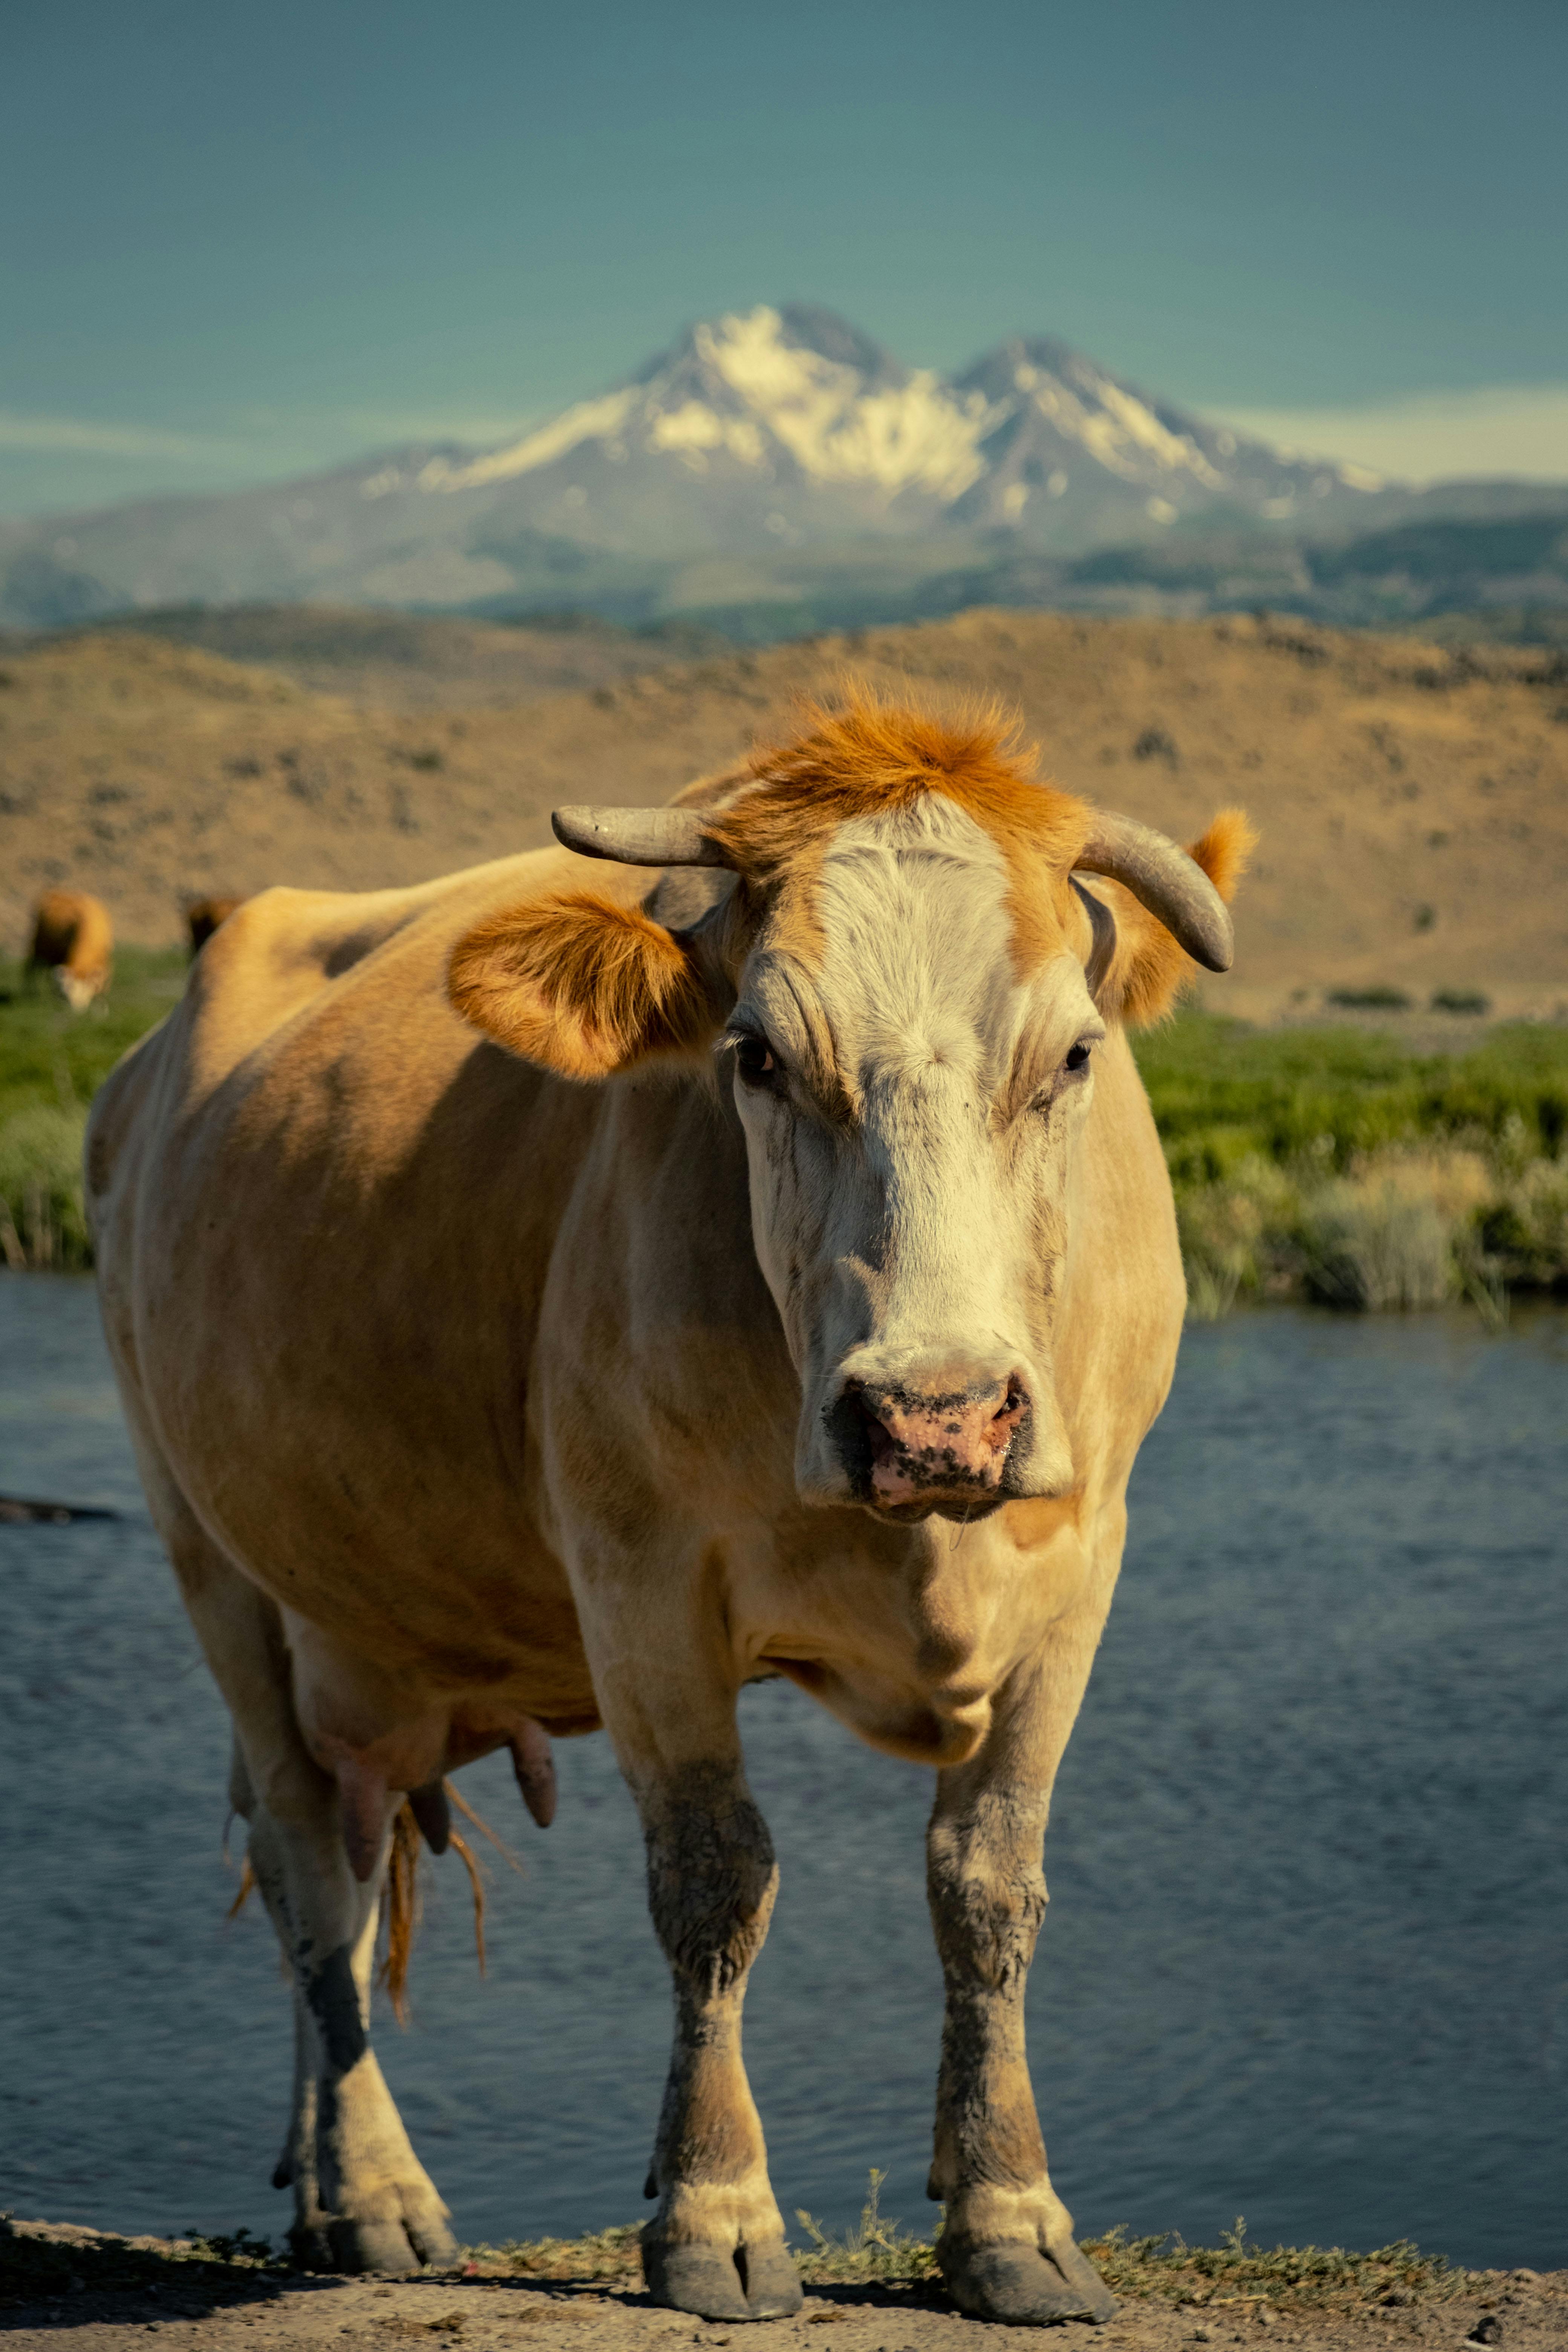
{"x":712,"y":1878}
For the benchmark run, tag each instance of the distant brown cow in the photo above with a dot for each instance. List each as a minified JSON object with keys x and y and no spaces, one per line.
{"x":73,"y":939}
{"x":205,"y":915}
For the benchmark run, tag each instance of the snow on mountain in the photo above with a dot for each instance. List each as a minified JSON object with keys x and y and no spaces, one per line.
{"x":764,"y":389}
{"x":1064,"y":430}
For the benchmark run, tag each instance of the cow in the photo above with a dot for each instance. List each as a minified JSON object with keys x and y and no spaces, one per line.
{"x":541,"y":1306}
{"x":73,"y":939}
{"x":203,"y":917}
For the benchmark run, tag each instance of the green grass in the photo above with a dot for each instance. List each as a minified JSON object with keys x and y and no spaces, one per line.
{"x":1237,"y":2274}
{"x":1223,"y":1093}
{"x":1337,"y":1166}
{"x":52,"y":1061}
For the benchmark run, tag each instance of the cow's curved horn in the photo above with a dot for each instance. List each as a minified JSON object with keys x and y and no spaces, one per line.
{"x":1164,"y":880}
{"x":654,"y":836}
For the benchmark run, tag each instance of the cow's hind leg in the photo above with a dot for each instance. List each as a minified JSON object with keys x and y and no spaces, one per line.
{"x":363,"y":2199}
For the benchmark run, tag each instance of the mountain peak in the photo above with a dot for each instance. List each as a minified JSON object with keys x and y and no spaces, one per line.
{"x":754,"y":433}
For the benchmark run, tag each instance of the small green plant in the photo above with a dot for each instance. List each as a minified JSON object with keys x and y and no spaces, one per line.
{"x":874,"y":2249}
{"x":232,"y":2247}
{"x":1460,"y":1000}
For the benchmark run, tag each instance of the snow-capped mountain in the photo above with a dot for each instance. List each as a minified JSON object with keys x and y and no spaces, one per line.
{"x":758,"y":446}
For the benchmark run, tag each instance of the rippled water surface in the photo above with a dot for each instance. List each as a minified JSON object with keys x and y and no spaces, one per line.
{"x":1307,"y":1955}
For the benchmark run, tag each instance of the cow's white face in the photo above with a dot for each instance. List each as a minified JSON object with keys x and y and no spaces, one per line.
{"x":911,"y":1103}
{"x":77,"y":989}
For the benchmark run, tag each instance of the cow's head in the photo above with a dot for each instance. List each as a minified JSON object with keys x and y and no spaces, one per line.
{"x":79,"y":987}
{"x":905,"y":986}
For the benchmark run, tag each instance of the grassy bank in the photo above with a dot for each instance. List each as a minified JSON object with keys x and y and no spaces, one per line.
{"x":1338,"y":1165}
{"x":52,"y":1061}
{"x":1235,"y":2275}
{"x":1331,"y":1164}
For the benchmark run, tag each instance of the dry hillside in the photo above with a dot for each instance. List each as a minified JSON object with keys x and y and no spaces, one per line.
{"x":1414,"y":804}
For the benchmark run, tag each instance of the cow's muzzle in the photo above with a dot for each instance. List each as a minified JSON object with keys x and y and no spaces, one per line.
{"x":909,"y":1447}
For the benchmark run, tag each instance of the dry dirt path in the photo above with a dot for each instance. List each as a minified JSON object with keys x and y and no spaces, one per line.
{"x":195,"y":2308}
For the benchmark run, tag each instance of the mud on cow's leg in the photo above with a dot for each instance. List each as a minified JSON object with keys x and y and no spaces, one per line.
{"x":363,"y":2201}
{"x":715,"y":2247}
{"x":1006,"y":2248}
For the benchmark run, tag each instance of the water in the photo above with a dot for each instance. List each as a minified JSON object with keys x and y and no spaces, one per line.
{"x":1307,"y":1955}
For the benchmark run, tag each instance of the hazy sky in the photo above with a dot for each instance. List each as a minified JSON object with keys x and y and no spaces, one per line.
{"x":244,"y":241}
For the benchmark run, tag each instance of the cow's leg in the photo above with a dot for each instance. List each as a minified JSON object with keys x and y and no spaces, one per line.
{"x":1006,"y":2248}
{"x":716,"y":2244}
{"x":363,"y":2201}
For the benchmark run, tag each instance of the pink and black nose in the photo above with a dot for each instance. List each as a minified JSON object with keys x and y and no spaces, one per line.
{"x":917,"y":1448}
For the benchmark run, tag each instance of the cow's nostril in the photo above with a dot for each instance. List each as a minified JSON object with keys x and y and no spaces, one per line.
{"x":864,"y":1441}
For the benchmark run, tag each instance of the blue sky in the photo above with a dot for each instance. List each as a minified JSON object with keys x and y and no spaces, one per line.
{"x":243,"y":241}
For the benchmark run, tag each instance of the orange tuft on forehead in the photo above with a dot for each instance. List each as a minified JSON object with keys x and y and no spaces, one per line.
{"x":873,"y":759}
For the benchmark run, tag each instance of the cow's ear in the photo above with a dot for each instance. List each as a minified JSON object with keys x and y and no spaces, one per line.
{"x":583,"y":986}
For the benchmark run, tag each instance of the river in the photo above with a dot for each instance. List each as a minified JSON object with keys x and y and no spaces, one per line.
{"x":1307,"y":1954}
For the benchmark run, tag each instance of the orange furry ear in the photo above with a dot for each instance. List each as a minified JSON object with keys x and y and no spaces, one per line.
{"x":1148,"y":969}
{"x":581,"y":985}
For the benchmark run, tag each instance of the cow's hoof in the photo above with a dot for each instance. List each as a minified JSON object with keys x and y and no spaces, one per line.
{"x":1020,"y":2287}
{"x":1079,"y":2271}
{"x":388,"y":2249}
{"x":773,"y":2288}
{"x":703,"y":2280}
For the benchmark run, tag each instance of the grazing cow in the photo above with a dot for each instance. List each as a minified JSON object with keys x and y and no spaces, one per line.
{"x":539,"y":1307}
{"x":73,"y":939}
{"x":203,"y":917}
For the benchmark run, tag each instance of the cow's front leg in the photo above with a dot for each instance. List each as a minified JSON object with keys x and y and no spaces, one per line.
{"x":1006,"y":2248}
{"x":716,"y":2244}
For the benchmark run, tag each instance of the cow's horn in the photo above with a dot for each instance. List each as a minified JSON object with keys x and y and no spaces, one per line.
{"x":1164,"y":880}
{"x":654,"y":836}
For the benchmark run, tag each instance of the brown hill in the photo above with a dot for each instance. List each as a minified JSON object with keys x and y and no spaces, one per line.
{"x":1414,"y":804}
{"x":414,"y":661}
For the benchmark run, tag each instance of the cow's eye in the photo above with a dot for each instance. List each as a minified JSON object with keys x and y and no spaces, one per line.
{"x":754,"y":1061}
{"x":1077,"y":1056}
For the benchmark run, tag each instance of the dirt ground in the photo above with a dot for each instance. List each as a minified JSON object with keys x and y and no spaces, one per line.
{"x":1414,"y":802}
{"x":209,"y":2309}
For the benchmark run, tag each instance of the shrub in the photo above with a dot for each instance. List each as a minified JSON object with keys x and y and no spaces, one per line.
{"x":1460,"y":1000}
{"x":1370,"y":1000}
{"x":1372,"y":1243}
{"x":42,"y":1221}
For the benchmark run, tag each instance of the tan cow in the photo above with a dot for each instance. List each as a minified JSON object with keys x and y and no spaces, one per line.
{"x":539,"y":1307}
{"x":73,"y":939}
{"x":203,"y":917}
